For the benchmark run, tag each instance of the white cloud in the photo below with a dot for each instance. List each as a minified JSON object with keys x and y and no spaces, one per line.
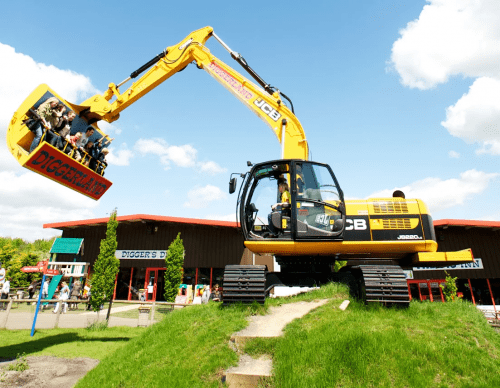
{"x":120,"y":157}
{"x":181,"y":156}
{"x":450,"y":37}
{"x":27,"y":200}
{"x":475,"y":117}
{"x":228,"y":217}
{"x":441,"y":194}
{"x":155,"y":146}
{"x":211,"y":168}
{"x":22,"y":74}
{"x":453,"y":154}
{"x":109,"y":128}
{"x":201,"y":197}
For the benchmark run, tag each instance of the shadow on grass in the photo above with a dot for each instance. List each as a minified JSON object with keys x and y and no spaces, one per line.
{"x":28,"y":347}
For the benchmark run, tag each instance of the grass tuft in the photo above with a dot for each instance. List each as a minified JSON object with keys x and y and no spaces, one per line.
{"x":97,"y":326}
{"x":21,"y":363}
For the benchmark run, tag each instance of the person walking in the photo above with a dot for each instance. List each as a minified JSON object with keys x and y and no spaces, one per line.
{"x":45,"y":293}
{"x":75,"y":294}
{"x":63,"y":297}
{"x":5,"y":292}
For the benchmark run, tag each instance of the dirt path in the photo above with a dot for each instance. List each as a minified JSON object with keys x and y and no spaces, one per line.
{"x":46,"y":372}
{"x":272,"y":324}
{"x":250,"y":372}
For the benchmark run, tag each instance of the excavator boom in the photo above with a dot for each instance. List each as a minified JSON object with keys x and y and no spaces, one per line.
{"x":262,"y":100}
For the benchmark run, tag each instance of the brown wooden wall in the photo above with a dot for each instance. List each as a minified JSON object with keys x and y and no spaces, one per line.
{"x":205,"y":246}
{"x":485,"y":245}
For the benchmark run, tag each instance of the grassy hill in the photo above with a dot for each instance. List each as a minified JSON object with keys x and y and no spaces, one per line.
{"x":427,"y":345}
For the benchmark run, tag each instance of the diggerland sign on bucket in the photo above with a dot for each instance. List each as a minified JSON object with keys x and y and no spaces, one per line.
{"x":57,"y":166}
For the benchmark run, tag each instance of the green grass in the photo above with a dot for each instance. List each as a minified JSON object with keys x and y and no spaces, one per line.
{"x":68,"y":343}
{"x":427,"y":345}
{"x":188,"y":348}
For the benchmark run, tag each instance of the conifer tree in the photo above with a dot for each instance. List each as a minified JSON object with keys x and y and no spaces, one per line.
{"x":106,"y":267}
{"x":174,"y":263}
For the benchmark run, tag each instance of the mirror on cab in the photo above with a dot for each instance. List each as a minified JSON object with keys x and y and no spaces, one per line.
{"x":51,"y":137}
{"x":232,"y":185}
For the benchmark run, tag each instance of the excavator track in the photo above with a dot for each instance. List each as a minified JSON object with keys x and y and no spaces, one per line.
{"x":244,"y":283}
{"x":385,"y":284}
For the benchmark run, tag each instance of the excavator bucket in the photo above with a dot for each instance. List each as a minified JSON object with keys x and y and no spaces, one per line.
{"x":58,"y":162}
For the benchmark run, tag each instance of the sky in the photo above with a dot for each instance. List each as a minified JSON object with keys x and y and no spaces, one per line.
{"x":392,"y":94}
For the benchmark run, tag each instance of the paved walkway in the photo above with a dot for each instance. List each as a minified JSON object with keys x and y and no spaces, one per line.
{"x":117,"y":309}
{"x":47,"y":319}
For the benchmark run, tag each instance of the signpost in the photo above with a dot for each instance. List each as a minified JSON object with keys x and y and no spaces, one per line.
{"x":40,"y":267}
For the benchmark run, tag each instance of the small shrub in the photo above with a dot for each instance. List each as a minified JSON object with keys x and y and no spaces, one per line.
{"x":21,"y":363}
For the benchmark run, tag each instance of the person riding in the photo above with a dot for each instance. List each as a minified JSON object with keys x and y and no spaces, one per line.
{"x":285,"y":203}
{"x":45,"y":111}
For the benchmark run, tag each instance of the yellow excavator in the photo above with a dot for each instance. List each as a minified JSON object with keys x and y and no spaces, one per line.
{"x":308,"y":233}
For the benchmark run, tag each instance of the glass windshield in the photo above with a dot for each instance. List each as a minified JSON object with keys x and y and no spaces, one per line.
{"x":318,"y":202}
{"x":316,"y":183}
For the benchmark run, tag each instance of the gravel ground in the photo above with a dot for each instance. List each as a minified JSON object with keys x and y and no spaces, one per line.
{"x":46,"y":372}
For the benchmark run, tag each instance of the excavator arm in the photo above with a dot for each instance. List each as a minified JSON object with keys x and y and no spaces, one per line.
{"x":266,"y":102}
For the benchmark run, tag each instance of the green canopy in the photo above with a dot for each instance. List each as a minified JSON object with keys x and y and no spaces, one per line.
{"x":67,"y":245}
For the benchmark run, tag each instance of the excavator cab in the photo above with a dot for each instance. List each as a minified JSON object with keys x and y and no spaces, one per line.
{"x":316,"y":203}
{"x":53,"y":156}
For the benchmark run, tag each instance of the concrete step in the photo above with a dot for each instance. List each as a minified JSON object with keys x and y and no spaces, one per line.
{"x":249,"y":372}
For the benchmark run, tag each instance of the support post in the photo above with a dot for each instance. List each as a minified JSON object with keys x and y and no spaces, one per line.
{"x":153,"y":313}
{"x":196,"y":278}
{"x":37,"y":306}
{"x":430,"y":290}
{"x":492,"y":297}
{"x":471,"y":293}
{"x":441,"y":292}
{"x":211,"y":271}
{"x":116,"y":282}
{"x":58,"y":315}
{"x":129,"y":297}
{"x":7,"y":314}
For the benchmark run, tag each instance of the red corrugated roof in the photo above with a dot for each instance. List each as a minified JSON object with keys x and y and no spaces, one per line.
{"x":470,"y":223}
{"x":142,"y":217}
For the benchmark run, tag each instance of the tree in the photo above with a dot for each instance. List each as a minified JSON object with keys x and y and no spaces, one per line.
{"x":174,"y":263}
{"x":106,"y":267}
{"x":19,"y":278}
{"x":450,"y":288}
{"x":17,"y":253}
{"x":7,"y":254}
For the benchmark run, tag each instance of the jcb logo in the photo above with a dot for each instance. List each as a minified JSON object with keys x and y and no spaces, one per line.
{"x":358,"y":224}
{"x":267,"y":109}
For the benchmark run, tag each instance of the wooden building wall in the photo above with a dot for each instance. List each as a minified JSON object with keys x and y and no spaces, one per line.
{"x":485,"y":245}
{"x":205,"y":246}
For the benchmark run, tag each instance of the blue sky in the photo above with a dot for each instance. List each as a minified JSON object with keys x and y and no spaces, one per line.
{"x":391,"y":94}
